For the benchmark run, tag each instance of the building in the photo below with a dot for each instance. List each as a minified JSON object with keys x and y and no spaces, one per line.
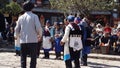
{"x":102,"y":17}
{"x":44,"y":11}
{"x":116,"y":12}
{"x":111,"y":16}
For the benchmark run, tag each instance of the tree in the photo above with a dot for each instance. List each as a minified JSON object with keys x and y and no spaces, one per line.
{"x":13,"y":8}
{"x":3,"y":4}
{"x":82,"y":6}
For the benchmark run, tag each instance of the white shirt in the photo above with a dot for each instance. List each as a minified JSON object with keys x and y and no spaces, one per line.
{"x":66,"y":35}
{"x":28,"y":27}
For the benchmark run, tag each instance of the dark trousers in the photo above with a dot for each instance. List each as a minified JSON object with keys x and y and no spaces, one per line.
{"x":75,"y":55}
{"x":84,"y":59}
{"x":58,"y":54}
{"x":38,"y":48}
{"x":17,"y":52}
{"x":31,"y":49}
{"x":46,"y":54}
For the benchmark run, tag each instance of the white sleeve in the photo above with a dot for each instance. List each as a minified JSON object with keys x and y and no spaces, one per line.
{"x":38,"y":26}
{"x":66,"y":35}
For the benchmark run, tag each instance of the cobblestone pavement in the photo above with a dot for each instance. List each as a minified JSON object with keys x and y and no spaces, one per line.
{"x":8,"y":60}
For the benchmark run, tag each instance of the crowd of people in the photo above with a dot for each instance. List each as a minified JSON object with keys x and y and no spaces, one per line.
{"x":106,"y":36}
{"x":75,"y":37}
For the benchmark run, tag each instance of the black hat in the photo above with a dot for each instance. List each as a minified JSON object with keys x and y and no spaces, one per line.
{"x":28,"y":6}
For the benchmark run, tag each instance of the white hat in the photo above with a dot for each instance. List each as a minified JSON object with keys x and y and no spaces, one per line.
{"x":98,"y":25}
{"x":61,"y":23}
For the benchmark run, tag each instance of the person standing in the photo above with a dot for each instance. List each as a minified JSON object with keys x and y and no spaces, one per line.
{"x":107,"y":29}
{"x":58,"y":36}
{"x":10,"y":36}
{"x":86,"y":39}
{"x":72,"y":43}
{"x":47,"y":45}
{"x":2,"y":25}
{"x":17,"y":41}
{"x":2,"y":22}
{"x":29,"y":31}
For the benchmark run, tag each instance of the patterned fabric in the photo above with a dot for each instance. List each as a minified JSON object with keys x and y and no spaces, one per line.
{"x":75,"y":37}
{"x":65,"y":39}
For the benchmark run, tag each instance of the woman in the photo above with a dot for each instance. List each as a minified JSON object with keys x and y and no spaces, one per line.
{"x":58,"y":36}
{"x":86,"y":39}
{"x":47,"y":45}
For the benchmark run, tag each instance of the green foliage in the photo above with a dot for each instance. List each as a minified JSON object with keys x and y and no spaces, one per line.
{"x":2,"y":5}
{"x":7,"y":9}
{"x":10,"y":8}
{"x":13,"y":8}
{"x":82,"y":6}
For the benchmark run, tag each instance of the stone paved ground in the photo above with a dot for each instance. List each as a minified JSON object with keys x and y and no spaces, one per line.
{"x":8,"y":60}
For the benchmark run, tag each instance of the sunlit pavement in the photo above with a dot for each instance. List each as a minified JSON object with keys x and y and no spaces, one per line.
{"x":8,"y":60}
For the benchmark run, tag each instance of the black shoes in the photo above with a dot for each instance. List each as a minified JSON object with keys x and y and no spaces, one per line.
{"x":45,"y":57}
{"x":58,"y":58}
